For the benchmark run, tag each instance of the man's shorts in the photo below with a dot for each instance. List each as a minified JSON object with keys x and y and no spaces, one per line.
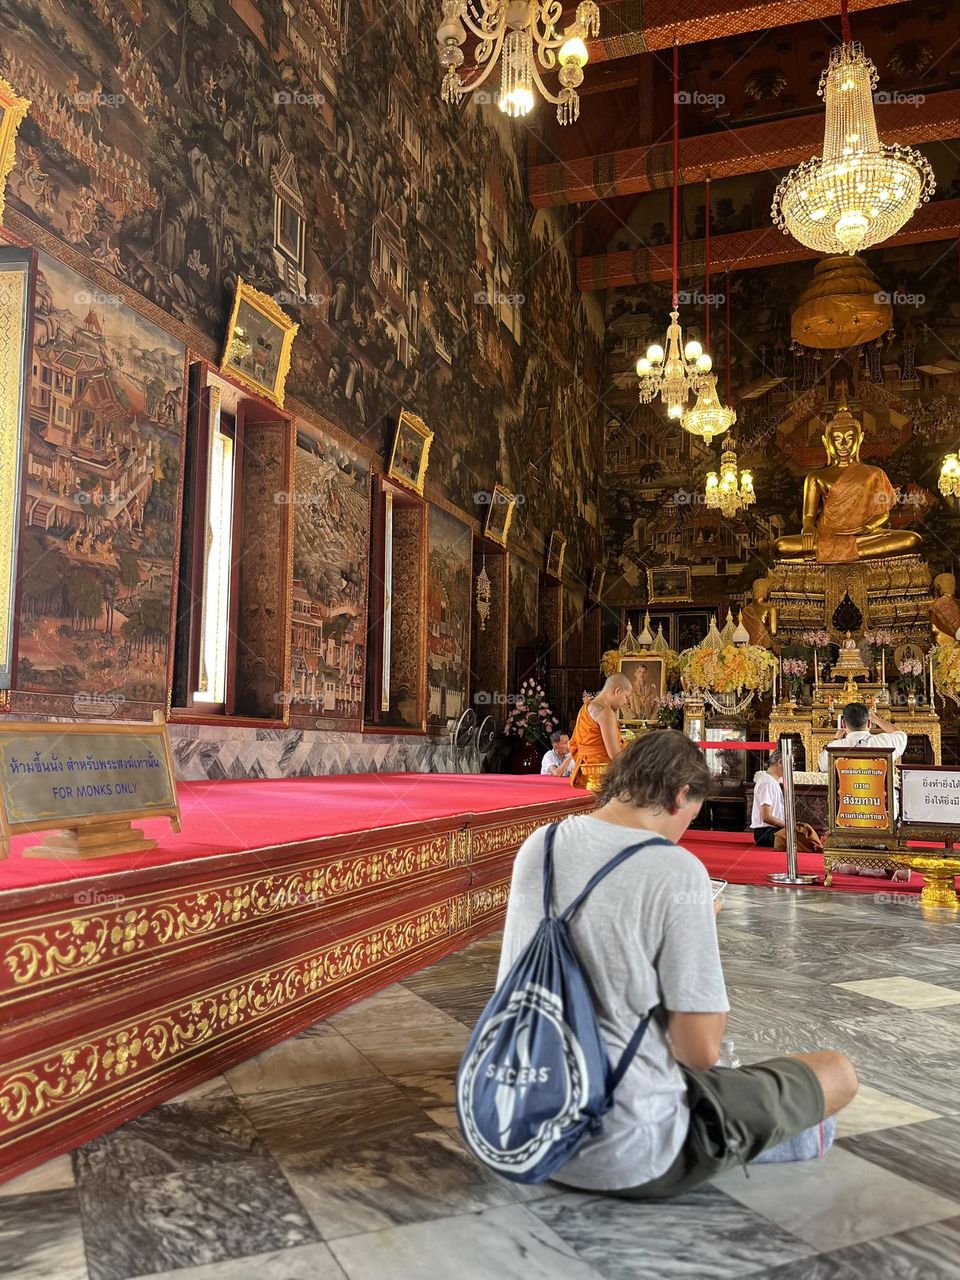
{"x":735,"y":1114}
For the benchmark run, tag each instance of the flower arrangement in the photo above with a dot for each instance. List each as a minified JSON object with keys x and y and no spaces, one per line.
{"x":795,"y":672}
{"x":816,"y":639}
{"x":670,"y":709}
{"x":531,"y":717}
{"x":946,"y":671}
{"x":911,"y":670}
{"x":880,"y":639}
{"x":730,"y":669}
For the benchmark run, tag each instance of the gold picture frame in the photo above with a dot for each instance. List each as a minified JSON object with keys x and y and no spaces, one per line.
{"x":555,"y":554}
{"x":13,"y":109}
{"x":411,"y":452}
{"x":497,"y":524}
{"x":641,"y":707}
{"x":260,"y":336}
{"x":669,"y":584}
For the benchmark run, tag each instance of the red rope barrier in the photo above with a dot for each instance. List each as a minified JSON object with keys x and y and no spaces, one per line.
{"x":737,"y":746}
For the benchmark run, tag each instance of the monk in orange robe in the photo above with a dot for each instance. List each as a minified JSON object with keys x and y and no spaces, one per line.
{"x":596,"y":736}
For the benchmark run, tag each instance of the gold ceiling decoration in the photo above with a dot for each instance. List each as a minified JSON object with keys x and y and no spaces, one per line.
{"x":842,"y":306}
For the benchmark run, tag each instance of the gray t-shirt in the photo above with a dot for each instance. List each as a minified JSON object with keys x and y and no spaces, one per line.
{"x":647,"y":939}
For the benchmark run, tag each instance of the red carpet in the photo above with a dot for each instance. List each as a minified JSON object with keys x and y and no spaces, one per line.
{"x":232,"y":816}
{"x":732,"y":855}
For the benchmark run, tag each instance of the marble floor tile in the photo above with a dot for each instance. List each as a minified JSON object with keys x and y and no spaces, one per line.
{"x":414,"y":1051}
{"x":187,"y":1185}
{"x":705,"y":1235}
{"x":330,"y":1116}
{"x":396,"y":1009}
{"x":317,"y":1057}
{"x":837,"y":1201}
{"x":926,"y":1253}
{"x":872,"y":1110}
{"x":907,"y":993}
{"x":927,"y":1153}
{"x":215,"y":1087}
{"x":41,"y":1237}
{"x":52,"y":1175}
{"x":302,"y":1262}
{"x":509,"y":1243}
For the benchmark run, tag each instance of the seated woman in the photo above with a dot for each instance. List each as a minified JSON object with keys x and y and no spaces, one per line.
{"x":596,"y":736}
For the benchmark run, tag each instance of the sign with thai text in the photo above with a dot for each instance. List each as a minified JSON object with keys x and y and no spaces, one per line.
{"x":931,"y":795}
{"x":862,"y":793}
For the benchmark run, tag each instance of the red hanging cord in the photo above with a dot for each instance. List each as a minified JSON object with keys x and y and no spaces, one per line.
{"x":676,"y":166}
{"x":845,"y":22}
{"x":727,"y":293}
{"x":706,"y":270}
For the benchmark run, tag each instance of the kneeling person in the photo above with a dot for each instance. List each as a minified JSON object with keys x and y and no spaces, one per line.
{"x":768,"y":817}
{"x":646,"y":938}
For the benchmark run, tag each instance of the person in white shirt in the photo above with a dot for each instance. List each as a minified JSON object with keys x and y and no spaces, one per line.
{"x":767,"y":817}
{"x":558,"y":761}
{"x":859,"y":723}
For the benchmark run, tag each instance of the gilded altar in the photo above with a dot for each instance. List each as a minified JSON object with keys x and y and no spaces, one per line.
{"x":893,"y":593}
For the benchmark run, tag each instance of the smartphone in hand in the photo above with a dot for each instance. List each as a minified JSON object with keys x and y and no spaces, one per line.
{"x":718,"y":887}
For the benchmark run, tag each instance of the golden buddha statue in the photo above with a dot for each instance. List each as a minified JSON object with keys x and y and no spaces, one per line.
{"x":760,"y":616}
{"x":846,"y":505}
{"x":945,"y":610}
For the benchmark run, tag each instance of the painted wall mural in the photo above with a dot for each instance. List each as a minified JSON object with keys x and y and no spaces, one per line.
{"x":905,"y":388}
{"x":100,"y":510}
{"x":331,"y":541}
{"x":303,"y":146}
{"x":449,"y":584}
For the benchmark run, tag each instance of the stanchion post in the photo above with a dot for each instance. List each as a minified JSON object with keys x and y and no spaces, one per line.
{"x":792,"y":875}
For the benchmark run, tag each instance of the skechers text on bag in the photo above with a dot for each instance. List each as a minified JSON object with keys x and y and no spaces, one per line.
{"x":535,"y":1080}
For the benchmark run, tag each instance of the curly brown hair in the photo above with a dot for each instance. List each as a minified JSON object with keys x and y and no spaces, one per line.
{"x":651,"y":771}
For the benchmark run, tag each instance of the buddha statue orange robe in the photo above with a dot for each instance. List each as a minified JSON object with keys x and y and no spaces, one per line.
{"x":587,"y":747}
{"x":859,"y":494}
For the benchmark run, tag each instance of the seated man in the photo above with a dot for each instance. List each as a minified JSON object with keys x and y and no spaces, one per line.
{"x":859,"y":723}
{"x":558,"y":761}
{"x":646,"y":938}
{"x":767,"y":817}
{"x":596,"y":735}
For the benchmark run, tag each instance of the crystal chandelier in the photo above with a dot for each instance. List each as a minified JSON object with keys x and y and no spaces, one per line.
{"x":861,"y":191}
{"x":521,"y":36}
{"x":673,"y":371}
{"x":950,"y":476}
{"x":731,"y":491}
{"x":708,"y":417}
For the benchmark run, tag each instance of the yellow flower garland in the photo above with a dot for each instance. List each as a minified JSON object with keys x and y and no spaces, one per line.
{"x":730,"y":669}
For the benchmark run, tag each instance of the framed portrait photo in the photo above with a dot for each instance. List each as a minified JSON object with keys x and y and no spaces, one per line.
{"x":411,"y":452}
{"x":648,"y":679}
{"x":668,"y":584}
{"x":259,"y":338}
{"x":497,"y":524}
{"x":555,"y":554}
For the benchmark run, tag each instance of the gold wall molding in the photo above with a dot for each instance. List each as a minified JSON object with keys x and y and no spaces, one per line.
{"x":35,"y":1089}
{"x":81,"y":941}
{"x":491,"y":840}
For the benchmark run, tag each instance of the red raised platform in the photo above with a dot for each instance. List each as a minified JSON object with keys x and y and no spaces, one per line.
{"x":124,"y":981}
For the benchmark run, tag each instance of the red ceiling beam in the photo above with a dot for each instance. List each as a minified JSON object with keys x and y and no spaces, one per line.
{"x":628,"y":27}
{"x":744,"y":250}
{"x":751,"y":148}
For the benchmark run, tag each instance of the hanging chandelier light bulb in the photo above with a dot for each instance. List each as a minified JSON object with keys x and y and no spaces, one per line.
{"x":708,"y":417}
{"x":861,"y":191}
{"x":732,"y":490}
{"x":675,"y":370}
{"x":950,"y":476}
{"x":521,"y":37}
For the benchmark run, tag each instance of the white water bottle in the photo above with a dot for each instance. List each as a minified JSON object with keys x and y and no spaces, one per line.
{"x":728,"y":1054}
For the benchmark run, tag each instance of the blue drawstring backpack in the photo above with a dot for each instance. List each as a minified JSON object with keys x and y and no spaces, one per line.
{"x":535,"y":1079}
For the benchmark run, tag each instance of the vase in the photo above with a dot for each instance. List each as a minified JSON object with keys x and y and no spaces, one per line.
{"x":911,"y":701}
{"x":525,"y":756}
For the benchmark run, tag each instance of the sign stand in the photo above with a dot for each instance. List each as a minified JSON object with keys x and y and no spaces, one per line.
{"x":861,"y":818}
{"x":84,"y":783}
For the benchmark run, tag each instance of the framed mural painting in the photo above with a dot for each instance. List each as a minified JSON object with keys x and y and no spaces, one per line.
{"x":667,"y":585}
{"x":411,"y":452}
{"x":555,"y":554}
{"x":648,"y":679}
{"x":12,"y":110}
{"x":497,"y":524}
{"x":260,"y":335}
